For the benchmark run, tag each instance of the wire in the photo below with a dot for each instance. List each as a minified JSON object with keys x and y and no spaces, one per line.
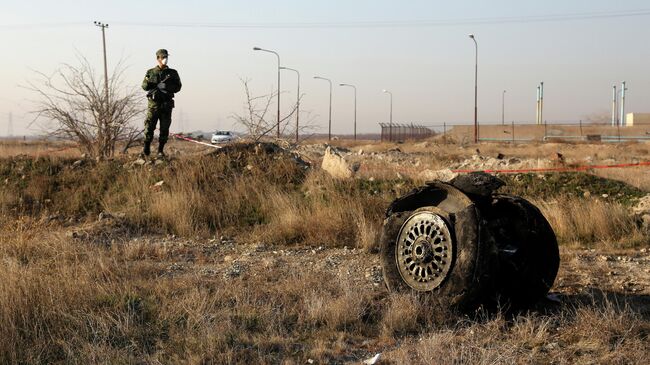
{"x":401,"y":24}
{"x":361,"y":24}
{"x":42,"y":25}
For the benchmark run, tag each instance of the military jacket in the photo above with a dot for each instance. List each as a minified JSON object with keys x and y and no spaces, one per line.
{"x":156,"y":75}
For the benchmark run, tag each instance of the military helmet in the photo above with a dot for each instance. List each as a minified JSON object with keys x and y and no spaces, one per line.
{"x":162,"y":53}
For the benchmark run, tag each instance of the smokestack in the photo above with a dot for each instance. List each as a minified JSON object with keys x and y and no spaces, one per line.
{"x":623,"y":122}
{"x":541,"y":102}
{"x":614,"y":107}
{"x":537,"y":107}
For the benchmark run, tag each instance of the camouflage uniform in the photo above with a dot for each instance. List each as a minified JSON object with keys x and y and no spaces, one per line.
{"x":160,"y":103}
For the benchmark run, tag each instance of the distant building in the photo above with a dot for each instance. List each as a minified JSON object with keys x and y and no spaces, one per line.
{"x":632,"y":119}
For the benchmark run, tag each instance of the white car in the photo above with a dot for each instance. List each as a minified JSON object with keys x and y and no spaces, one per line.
{"x":222,"y":137}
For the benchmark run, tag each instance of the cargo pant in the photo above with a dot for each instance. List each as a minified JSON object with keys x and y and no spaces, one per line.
{"x":158,"y":111}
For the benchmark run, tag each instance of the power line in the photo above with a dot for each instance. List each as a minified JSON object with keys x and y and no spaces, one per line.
{"x":366,"y":24}
{"x":41,"y":25}
{"x":402,"y":24}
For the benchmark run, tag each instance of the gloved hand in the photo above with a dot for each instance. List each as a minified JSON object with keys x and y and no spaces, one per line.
{"x":161,"y":86}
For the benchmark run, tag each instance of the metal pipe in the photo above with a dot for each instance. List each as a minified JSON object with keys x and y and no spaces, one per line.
{"x":329,"y":130}
{"x":297,"y":99}
{"x":278,"y":56}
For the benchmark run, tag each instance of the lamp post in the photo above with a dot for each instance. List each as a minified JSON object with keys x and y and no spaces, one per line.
{"x":355,"y":108}
{"x":503,"y":108}
{"x":278,"y":56}
{"x":475,"y":89}
{"x":297,"y":99}
{"x":329,"y":129}
{"x":390,"y":120}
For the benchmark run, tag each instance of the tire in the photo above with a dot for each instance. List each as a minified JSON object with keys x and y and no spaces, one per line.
{"x":468,"y":281}
{"x":528,"y":258}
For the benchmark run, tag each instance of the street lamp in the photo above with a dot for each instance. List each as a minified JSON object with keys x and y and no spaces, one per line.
{"x":390,"y":121}
{"x":297,"y":99}
{"x":475,"y":90}
{"x":503,"y":108}
{"x":278,"y":56}
{"x":355,"y":108}
{"x":329,"y":130}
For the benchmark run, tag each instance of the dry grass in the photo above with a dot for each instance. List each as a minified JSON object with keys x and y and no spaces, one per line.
{"x":591,"y":222}
{"x":36,"y":148}
{"x":602,"y":332}
{"x":109,"y":298}
{"x":63,"y":301}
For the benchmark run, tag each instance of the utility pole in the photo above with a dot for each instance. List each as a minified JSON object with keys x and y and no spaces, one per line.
{"x":106,"y":111}
{"x":104,"y":26}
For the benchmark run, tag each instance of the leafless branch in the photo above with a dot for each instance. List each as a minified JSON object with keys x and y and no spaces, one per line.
{"x":72,"y":103}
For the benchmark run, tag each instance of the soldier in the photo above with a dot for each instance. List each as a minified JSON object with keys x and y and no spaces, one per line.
{"x":160,"y":83}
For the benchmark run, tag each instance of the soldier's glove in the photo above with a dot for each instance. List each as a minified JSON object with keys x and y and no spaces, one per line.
{"x":162,"y":86}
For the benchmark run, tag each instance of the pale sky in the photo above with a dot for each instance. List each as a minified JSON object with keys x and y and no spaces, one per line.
{"x":417,"y":49}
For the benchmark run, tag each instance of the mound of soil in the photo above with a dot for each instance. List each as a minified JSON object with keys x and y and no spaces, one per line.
{"x":243,"y":151}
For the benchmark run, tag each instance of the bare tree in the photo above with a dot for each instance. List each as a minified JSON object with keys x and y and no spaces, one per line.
{"x":73,"y":103}
{"x":256,"y":108}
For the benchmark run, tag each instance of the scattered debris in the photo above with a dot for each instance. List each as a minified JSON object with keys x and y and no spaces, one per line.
{"x":336,"y":165}
{"x":373,"y":360}
{"x":445,"y":175}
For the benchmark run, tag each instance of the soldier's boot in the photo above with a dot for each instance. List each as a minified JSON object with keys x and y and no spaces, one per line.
{"x":146,"y":151}
{"x":161,"y":148}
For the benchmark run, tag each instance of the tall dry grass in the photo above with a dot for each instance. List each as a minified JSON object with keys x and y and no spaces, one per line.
{"x":62,"y":301}
{"x":271,"y":200}
{"x":66,"y":302}
{"x":260,"y":197}
{"x":606,"y":333}
{"x":592,"y":222}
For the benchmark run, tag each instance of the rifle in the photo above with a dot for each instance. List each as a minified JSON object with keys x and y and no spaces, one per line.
{"x":150,"y":93}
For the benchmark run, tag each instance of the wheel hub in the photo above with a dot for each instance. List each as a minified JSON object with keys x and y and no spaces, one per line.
{"x":424,"y":251}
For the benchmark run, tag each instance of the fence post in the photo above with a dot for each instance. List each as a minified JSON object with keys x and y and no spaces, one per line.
{"x":513,"y":132}
{"x":444,"y":132}
{"x":580,"y":127}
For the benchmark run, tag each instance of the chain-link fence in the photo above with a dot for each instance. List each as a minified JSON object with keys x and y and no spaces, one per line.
{"x":394,"y":132}
{"x":517,"y":132}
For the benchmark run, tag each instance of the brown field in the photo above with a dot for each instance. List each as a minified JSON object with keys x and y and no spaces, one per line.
{"x":245,"y":258}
